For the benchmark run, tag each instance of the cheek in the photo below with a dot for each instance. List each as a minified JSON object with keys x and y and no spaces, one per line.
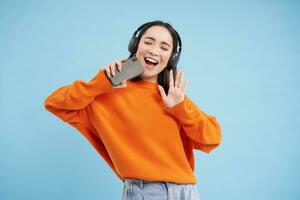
{"x":141,"y":49}
{"x":166,"y":57}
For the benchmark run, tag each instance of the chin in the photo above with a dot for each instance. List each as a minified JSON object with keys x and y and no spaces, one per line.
{"x":147,"y":74}
{"x":151,"y":73}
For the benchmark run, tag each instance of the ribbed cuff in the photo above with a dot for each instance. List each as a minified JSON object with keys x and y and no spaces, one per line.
{"x":101,"y":83}
{"x":183,"y":112}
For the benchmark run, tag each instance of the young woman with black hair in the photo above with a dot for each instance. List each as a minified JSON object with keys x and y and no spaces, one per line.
{"x":146,"y":128}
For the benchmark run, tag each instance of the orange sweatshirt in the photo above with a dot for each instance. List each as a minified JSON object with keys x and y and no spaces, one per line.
{"x":136,"y":135}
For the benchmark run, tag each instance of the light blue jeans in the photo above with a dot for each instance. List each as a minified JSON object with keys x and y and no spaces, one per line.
{"x":137,"y":189}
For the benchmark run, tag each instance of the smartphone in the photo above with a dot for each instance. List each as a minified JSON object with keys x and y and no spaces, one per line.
{"x":130,"y":68}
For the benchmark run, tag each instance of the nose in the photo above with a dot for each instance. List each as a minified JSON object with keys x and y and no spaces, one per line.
{"x":153,"y":52}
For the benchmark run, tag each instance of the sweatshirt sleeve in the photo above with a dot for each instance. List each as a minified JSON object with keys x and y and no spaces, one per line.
{"x":202,"y":129}
{"x":68,"y":102}
{"x":71,"y":104}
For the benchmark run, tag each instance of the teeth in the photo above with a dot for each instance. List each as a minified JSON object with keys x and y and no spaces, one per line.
{"x":151,"y":60}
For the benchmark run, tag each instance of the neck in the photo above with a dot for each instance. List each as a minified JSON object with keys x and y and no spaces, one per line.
{"x":150,"y":79}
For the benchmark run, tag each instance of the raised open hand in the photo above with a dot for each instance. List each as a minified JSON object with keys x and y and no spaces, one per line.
{"x":176,"y":91}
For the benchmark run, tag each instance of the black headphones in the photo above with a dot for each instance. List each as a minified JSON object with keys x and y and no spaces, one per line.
{"x":133,"y":45}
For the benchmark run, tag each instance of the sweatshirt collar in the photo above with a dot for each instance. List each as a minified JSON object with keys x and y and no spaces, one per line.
{"x":146,"y":84}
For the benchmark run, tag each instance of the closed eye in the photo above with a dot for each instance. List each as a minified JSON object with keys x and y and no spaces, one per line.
{"x":165,"y":49}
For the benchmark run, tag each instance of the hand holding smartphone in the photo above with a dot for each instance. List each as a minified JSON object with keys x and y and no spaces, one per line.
{"x":130,"y":68}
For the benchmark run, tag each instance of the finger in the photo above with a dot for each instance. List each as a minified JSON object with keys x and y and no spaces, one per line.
{"x":177,"y":78}
{"x":124,"y":83}
{"x":115,"y":67}
{"x":112,"y":68}
{"x":123,"y":59}
{"x":181,"y":82}
{"x":119,"y":64}
{"x":185,"y":85}
{"x":171,"y":80}
{"x":162,"y":92}
{"x":107,"y":71}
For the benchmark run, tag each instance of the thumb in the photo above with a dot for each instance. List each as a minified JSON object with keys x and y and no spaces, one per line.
{"x":124,"y":83}
{"x":162,"y":91}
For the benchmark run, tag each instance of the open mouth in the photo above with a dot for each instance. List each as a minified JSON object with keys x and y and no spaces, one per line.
{"x":150,"y":62}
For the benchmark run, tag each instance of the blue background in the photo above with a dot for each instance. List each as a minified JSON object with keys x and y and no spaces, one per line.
{"x":242,"y":59}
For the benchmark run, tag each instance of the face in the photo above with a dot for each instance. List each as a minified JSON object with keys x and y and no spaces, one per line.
{"x":154,"y":51}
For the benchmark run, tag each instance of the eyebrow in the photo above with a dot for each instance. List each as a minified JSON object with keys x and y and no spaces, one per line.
{"x":151,"y":38}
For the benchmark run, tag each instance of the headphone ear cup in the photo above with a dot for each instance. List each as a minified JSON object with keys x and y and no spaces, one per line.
{"x":132,"y":44}
{"x":174,"y":59}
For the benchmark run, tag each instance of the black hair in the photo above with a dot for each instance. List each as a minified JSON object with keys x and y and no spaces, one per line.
{"x":163,"y":76}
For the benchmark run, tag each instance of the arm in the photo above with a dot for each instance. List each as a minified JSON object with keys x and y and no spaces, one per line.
{"x":68,"y":102}
{"x":202,"y":129}
{"x":71,"y":103}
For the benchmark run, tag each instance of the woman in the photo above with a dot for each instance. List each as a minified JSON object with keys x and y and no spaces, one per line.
{"x":146,"y":128}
